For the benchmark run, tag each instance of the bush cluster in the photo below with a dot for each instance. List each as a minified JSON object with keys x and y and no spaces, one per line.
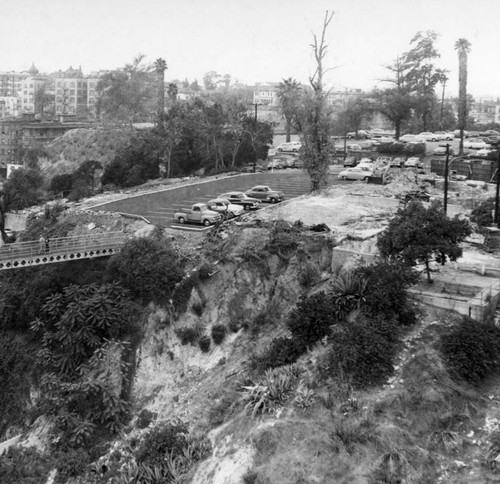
{"x":362,"y":351}
{"x":219,"y":332}
{"x":312,"y":319}
{"x":188,"y":334}
{"x":148,"y":268}
{"x":482,"y":215}
{"x":385,"y":292}
{"x":282,"y":351}
{"x":204,"y":343}
{"x":472,"y":349}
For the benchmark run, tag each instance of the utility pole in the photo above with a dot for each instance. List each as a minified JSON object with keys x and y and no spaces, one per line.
{"x":255,"y":133}
{"x":498,"y":190}
{"x":445,"y":201}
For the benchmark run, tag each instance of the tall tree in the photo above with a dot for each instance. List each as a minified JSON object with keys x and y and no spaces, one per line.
{"x":396,"y":102}
{"x":160,"y":67}
{"x":288,"y":95}
{"x":462,"y":46}
{"x":126,"y":95}
{"x":421,"y":74}
{"x":316,"y":120}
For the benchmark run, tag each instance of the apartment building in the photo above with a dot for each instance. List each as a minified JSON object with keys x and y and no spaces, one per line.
{"x":26,"y":98}
{"x":75,"y":96}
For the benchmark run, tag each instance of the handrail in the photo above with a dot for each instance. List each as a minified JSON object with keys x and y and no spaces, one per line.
{"x":20,"y":254}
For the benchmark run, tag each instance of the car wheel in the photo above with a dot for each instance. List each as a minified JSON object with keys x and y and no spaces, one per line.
{"x":434,"y":139}
{"x":206,"y":222}
{"x":365,"y":178}
{"x":182,"y":220}
{"x":246,"y":207}
{"x":280,"y":150}
{"x":273,"y":200}
{"x":344,"y":178}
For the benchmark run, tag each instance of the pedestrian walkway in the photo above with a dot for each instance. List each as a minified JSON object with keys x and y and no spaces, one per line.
{"x":62,"y":249}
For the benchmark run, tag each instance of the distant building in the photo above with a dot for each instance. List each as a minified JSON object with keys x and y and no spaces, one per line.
{"x":8,"y":106}
{"x":485,"y":110}
{"x":26,"y":95}
{"x":76,"y":96}
{"x":266,"y":94}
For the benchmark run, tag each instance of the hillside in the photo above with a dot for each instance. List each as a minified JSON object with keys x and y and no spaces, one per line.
{"x":302,"y":422}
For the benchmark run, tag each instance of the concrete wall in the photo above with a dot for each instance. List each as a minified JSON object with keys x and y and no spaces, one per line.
{"x":478,"y":307}
{"x":16,"y":221}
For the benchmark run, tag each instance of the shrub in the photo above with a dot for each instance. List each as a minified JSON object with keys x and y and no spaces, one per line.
{"x":219,"y":332}
{"x":471,"y":349}
{"x":16,"y":363}
{"x":282,"y":351}
{"x":309,"y":275}
{"x":483,"y":214}
{"x":197,"y":308}
{"x":385,"y":293}
{"x":204,"y":343}
{"x":311,"y":320}
{"x":362,"y":352}
{"x":171,"y":437}
{"x":145,"y":418}
{"x":149,"y":268}
{"x":187,"y":334}
{"x":182,"y":294}
{"x":25,"y":466}
{"x":206,"y":270}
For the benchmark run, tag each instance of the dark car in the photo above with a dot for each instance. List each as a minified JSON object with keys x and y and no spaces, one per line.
{"x":350,"y":161}
{"x":265,"y":194}
{"x":241,"y":198}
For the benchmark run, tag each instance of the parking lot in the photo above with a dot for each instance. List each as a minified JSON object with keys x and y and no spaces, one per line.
{"x":159,"y":207}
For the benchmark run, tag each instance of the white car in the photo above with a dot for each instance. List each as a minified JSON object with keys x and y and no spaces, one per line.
{"x":293,"y":146}
{"x":413,"y":162}
{"x":445,"y":135}
{"x":428,"y":136}
{"x":411,"y":138}
{"x":224,"y":206}
{"x":476,"y":144}
{"x":484,"y":152}
{"x":355,"y":173}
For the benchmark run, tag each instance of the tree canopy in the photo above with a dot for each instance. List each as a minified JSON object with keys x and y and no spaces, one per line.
{"x":419,"y":235}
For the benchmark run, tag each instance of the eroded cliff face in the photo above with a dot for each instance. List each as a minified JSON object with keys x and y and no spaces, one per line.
{"x":173,"y":380}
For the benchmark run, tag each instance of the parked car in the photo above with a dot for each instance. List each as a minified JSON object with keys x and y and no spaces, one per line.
{"x":398,"y":161}
{"x":350,"y":161}
{"x":411,"y":138}
{"x":355,"y":173}
{"x":484,"y":152}
{"x":225,"y":207}
{"x":276,"y":165}
{"x":441,"y":151}
{"x":354,"y":147}
{"x":369,"y":144}
{"x":384,"y":160}
{"x":489,"y":132}
{"x":366,"y":164}
{"x":264,"y":193}
{"x":240,"y":198}
{"x":293,"y":146}
{"x":492,"y":140}
{"x":360,"y":134}
{"x":200,"y":214}
{"x":456,"y":133}
{"x":476,"y":144}
{"x":428,"y":136}
{"x":413,"y":162}
{"x":444,"y":135}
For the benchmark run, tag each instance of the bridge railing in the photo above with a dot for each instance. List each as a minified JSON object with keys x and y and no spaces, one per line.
{"x":61,"y":245}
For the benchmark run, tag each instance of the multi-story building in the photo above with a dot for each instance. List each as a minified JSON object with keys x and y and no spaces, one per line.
{"x":486,"y":110}
{"x":76,"y":96}
{"x":8,"y":106}
{"x":266,"y":94}
{"x":27,"y":94}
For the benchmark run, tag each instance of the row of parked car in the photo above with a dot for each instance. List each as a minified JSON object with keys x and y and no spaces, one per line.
{"x":228,"y":205}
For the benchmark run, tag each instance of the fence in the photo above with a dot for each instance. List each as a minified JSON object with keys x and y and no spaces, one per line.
{"x":24,"y":254}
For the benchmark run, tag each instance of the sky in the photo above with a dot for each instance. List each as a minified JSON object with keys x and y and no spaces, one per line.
{"x":252,"y":40}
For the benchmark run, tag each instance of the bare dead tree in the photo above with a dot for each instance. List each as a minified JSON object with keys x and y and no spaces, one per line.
{"x":316,"y":119}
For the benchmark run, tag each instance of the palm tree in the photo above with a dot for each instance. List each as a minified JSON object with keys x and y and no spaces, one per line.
{"x":288,"y":94}
{"x":462,"y":46}
{"x":160,"y":66}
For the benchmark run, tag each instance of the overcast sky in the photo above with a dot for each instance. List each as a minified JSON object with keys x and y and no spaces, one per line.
{"x":252,"y":40}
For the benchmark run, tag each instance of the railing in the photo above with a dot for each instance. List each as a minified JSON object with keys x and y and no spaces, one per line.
{"x":25,"y":254}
